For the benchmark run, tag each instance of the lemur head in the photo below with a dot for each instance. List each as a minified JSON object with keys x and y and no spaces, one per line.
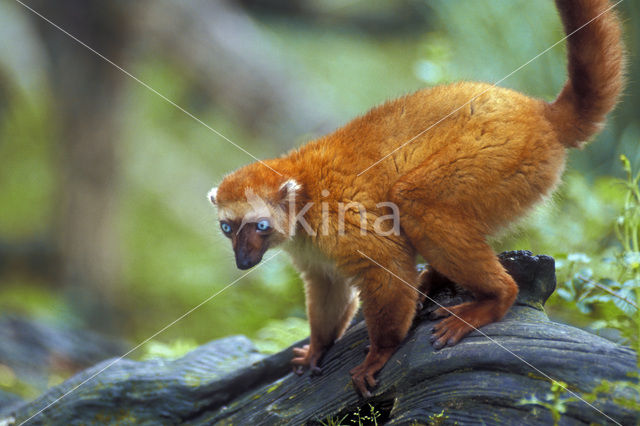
{"x":254,"y":212}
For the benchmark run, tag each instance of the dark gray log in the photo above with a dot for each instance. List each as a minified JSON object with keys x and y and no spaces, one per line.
{"x":8,"y":402}
{"x":34,"y":350}
{"x":479,"y":381}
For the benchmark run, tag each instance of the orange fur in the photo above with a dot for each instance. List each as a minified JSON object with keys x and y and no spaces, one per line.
{"x":455,"y":184}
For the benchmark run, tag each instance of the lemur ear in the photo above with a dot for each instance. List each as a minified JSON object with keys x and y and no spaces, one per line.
{"x":211,"y":195}
{"x":288,"y":190}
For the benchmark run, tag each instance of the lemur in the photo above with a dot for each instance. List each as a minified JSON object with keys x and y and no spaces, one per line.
{"x":488,"y":156}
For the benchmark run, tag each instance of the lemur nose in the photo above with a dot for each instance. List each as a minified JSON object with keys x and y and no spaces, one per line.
{"x":244,"y":262}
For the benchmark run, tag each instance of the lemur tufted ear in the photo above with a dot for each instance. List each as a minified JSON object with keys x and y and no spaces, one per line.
{"x":211,"y":195}
{"x":288,"y":190}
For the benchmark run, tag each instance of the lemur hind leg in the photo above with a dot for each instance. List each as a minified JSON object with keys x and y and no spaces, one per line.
{"x":466,"y":259}
{"x":449,"y":229}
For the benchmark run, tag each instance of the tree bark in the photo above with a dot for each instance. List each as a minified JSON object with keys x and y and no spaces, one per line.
{"x":86,"y":93}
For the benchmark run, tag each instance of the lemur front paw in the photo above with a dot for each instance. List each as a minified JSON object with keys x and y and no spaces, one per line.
{"x":362,"y":376}
{"x":306,"y":357}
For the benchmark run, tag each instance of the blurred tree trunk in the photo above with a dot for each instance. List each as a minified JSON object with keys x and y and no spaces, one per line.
{"x":86,"y":95}
{"x":227,"y":57}
{"x":378,"y":18}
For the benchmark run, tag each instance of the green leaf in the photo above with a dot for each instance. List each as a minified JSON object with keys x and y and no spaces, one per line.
{"x":578,"y":258}
{"x":626,"y":165}
{"x":565,"y":294}
{"x":609,"y":283}
{"x":631,"y":285}
{"x":585,"y":273}
{"x":624,"y":306}
{"x":632,"y":258}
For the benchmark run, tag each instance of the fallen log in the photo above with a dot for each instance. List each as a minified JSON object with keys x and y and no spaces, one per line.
{"x":485,"y":379}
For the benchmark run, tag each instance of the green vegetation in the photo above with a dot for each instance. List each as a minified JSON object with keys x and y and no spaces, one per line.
{"x":607,"y":290}
{"x":437,"y":419}
{"x":171,"y":351}
{"x":361,"y":416}
{"x":554,"y":401}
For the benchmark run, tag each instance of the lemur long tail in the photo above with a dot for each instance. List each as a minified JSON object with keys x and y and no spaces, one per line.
{"x":596,"y":68}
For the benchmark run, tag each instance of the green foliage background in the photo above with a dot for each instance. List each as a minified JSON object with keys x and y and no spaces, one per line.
{"x":174,"y":255}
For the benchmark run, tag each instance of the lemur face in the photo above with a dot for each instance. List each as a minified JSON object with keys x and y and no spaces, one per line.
{"x":249,"y":240}
{"x":254,"y":220}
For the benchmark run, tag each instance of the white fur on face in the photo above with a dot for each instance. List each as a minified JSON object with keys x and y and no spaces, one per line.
{"x":254,"y":209}
{"x":211,"y":195}
{"x":234,"y":211}
{"x":251,"y":210}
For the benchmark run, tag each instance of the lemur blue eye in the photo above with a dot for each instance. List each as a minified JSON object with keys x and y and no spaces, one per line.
{"x":226,"y":228}
{"x":263,"y":225}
